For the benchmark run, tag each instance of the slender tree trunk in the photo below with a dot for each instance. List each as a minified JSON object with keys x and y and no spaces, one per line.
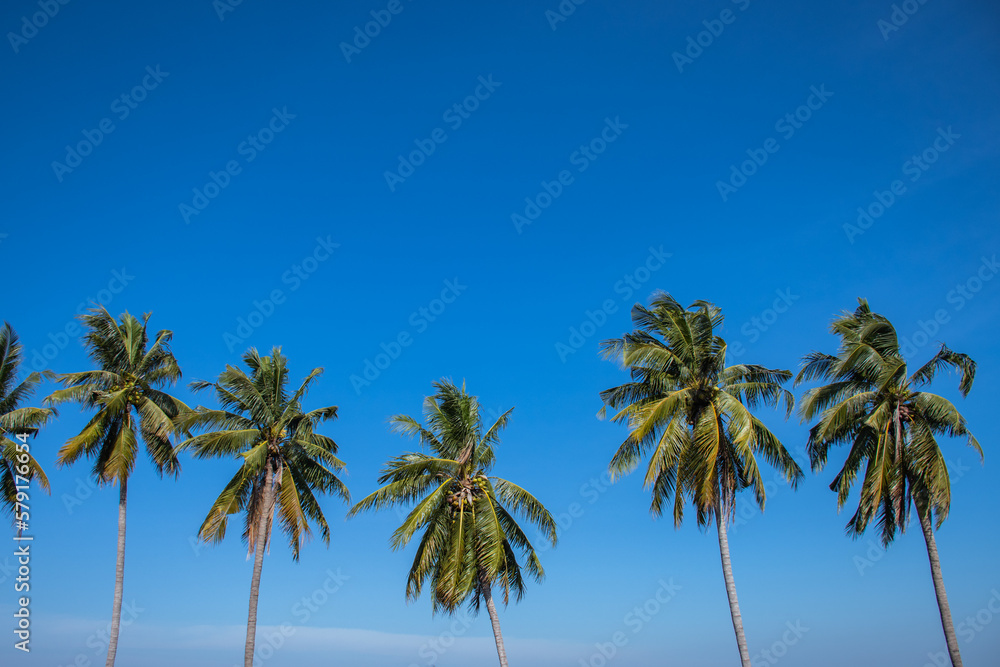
{"x":495,"y":620}
{"x":258,"y":564}
{"x":727,"y":572}
{"x":116,"y":612}
{"x":924,"y":512}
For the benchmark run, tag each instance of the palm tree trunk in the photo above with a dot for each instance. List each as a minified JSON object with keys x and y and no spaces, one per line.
{"x":923,"y":511}
{"x":495,"y":620}
{"x":116,"y":612}
{"x":258,"y":564}
{"x":727,"y":572}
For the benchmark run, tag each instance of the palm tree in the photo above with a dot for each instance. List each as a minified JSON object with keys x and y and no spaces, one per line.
{"x":283,"y":461}
{"x":693,"y":413}
{"x":469,"y":532}
{"x":872,"y":404}
{"x":126,"y":391}
{"x":17,"y":423}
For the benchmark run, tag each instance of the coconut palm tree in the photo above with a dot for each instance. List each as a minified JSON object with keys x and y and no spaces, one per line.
{"x":691,"y":414}
{"x":467,"y":516}
{"x":126,"y":391}
{"x":17,"y":423}
{"x":283,"y":461}
{"x":874,"y":405}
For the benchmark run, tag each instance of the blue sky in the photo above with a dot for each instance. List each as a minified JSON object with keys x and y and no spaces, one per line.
{"x":225,"y":168}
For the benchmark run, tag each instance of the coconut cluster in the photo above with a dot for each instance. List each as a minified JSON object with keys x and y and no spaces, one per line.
{"x":466,"y":491}
{"x":134,"y":391}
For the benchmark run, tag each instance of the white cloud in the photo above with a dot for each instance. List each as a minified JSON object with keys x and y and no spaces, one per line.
{"x":67,"y":635}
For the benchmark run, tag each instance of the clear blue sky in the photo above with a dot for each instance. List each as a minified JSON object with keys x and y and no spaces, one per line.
{"x":625,"y":135}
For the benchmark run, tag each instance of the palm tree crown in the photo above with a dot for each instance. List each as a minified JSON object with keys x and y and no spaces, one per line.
{"x":873,"y":404}
{"x":467,"y":516}
{"x":693,"y":411}
{"x":264,"y":426}
{"x":129,"y":378}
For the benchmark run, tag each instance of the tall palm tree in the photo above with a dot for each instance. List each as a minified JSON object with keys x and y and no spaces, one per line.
{"x":467,"y":516}
{"x":872,"y":404}
{"x":126,"y":392}
{"x":691,"y":414}
{"x":283,"y":461}
{"x":17,"y":423}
